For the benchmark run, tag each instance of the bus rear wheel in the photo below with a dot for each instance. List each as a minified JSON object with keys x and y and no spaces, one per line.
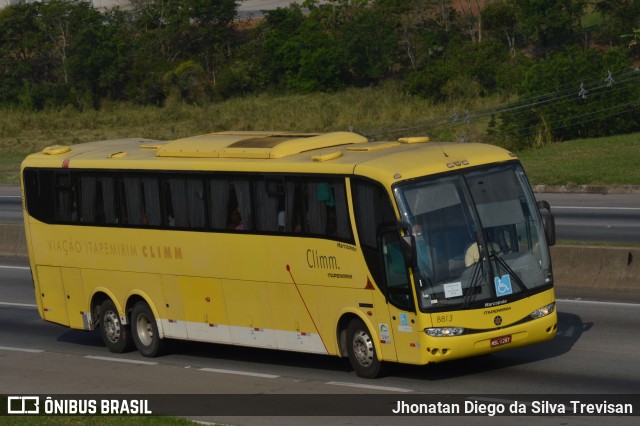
{"x":115,"y":335}
{"x":362,"y":351}
{"x":145,"y":331}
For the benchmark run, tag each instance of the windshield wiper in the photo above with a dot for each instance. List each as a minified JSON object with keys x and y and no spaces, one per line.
{"x":501,"y":262}
{"x":476,"y":280}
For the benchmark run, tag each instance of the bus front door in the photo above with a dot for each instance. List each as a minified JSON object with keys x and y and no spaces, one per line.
{"x":404,"y":327}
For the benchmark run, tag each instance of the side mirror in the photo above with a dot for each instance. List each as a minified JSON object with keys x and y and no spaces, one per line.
{"x":408,"y":242}
{"x":548,"y":222}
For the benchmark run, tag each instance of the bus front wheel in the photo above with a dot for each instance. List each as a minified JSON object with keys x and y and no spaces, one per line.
{"x":115,"y":335}
{"x":362,"y":351}
{"x":145,"y":331}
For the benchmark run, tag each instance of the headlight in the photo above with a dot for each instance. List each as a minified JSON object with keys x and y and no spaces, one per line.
{"x":444,"y":331}
{"x":544,"y":311}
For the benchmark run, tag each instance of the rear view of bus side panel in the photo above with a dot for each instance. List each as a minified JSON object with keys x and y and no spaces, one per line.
{"x":61,"y":294}
{"x":51,"y":295}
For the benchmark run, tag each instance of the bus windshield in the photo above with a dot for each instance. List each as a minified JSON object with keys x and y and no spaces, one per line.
{"x":478,"y":235}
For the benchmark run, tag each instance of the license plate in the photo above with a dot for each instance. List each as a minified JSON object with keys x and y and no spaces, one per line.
{"x":502,"y":340}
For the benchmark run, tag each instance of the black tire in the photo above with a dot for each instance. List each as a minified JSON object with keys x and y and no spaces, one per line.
{"x":144,"y":330}
{"x":115,"y":335}
{"x":362,"y":350}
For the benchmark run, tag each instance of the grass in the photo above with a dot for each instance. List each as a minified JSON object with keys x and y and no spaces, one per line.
{"x":605,"y":161}
{"x":613,"y":160}
{"x":95,"y":421}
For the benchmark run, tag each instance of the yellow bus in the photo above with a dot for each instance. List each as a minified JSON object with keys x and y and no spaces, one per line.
{"x":404,"y":251}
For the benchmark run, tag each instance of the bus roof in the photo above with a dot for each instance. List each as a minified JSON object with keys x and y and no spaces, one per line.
{"x":283,"y":152}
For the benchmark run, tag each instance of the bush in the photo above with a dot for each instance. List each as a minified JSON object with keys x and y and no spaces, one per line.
{"x":187,"y":83}
{"x":474,"y":63}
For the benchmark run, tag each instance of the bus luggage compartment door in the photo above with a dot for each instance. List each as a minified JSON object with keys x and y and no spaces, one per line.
{"x":52,"y":295}
{"x":62,"y":296}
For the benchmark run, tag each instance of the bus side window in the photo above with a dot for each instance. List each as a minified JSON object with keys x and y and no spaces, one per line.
{"x":184,"y":202}
{"x":229,"y":203}
{"x":240,"y":202}
{"x":141,"y":201}
{"x":218,"y":196}
{"x":277,"y":205}
{"x":65,"y":209}
{"x":97,"y":199}
{"x":290,"y":217}
{"x":325,"y":208}
{"x":39,"y":194}
{"x":269,"y":198}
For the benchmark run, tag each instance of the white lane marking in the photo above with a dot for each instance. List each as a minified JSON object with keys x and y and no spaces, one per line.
{"x":372,"y":387}
{"x":241,"y":373}
{"x":597,"y":302}
{"x":593,"y":208}
{"x":26,"y":268}
{"x":9,"y":348}
{"x":19,"y":305}
{"x":129,"y":361}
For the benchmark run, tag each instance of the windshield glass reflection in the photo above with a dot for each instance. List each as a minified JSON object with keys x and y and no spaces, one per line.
{"x":478,"y":237}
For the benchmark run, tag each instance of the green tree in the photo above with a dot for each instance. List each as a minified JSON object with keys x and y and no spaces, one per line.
{"x":116,"y":54}
{"x":170,"y":33}
{"x":619,"y":17}
{"x":21,"y":54}
{"x":278,"y":42}
{"x":501,"y":21}
{"x":366,"y":34}
{"x":549,"y":24}
{"x":338,"y":43}
{"x":465,"y":69}
{"x":55,"y":48}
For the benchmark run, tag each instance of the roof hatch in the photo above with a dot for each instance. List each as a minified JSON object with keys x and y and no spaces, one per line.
{"x":254,"y":144}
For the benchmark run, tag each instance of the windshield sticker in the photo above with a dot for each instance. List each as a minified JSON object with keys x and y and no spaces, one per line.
{"x":385,"y":336}
{"x":503,"y":285}
{"x":452,"y":290}
{"x":404,"y":323}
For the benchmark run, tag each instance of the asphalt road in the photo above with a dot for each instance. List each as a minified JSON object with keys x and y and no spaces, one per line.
{"x":10,"y":204}
{"x":596,"y":217}
{"x":596,"y":351}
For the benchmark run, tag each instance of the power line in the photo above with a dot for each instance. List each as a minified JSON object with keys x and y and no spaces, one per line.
{"x":579,"y":94}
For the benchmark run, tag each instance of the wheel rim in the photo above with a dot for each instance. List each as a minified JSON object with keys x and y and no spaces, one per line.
{"x":111,"y":324}
{"x":363,"y":348}
{"x":144,"y":330}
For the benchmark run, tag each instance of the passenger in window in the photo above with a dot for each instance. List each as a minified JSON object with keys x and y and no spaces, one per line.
{"x":297,"y":224}
{"x":235,"y":221}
